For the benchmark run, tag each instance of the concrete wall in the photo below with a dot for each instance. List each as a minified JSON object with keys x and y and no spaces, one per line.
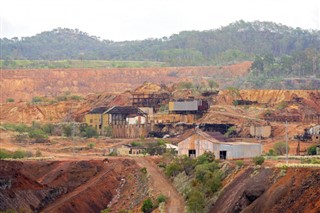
{"x":263,"y":131}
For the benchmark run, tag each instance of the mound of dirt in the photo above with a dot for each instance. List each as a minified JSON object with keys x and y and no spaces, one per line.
{"x":271,"y":190}
{"x":70,"y":186}
{"x":25,"y":84}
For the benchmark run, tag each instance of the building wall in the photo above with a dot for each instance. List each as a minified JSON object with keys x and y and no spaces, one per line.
{"x":123,"y":151}
{"x":173,"y":118}
{"x":263,"y":131}
{"x":239,"y":150}
{"x":233,"y":150}
{"x":97,"y":121}
{"x":183,"y":105}
{"x":136,"y":120}
{"x":315,"y":138}
{"x":130,"y":131}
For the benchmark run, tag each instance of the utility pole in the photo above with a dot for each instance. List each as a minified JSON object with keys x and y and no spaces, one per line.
{"x":286,"y":142}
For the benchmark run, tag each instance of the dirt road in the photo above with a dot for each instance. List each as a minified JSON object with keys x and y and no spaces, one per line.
{"x":162,"y":185}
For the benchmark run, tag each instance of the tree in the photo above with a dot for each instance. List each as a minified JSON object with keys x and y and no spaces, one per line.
{"x":280,"y":148}
{"x":259,"y":160}
{"x":147,"y":205}
{"x":195,"y":202}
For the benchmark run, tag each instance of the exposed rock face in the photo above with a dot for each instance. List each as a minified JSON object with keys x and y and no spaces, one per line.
{"x":27,"y":83}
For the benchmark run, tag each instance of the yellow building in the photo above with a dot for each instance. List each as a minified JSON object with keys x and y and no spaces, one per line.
{"x":97,"y":119}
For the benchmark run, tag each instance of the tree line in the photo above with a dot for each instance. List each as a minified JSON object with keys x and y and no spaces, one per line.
{"x":236,"y":42}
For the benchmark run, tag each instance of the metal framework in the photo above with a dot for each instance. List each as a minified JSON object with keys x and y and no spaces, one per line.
{"x":154,"y":100}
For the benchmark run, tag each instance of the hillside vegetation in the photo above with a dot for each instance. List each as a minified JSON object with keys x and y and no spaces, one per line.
{"x":236,"y":42}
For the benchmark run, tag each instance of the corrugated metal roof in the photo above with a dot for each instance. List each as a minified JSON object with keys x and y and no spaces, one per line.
{"x":185,"y":105}
{"x":98,"y":110}
{"x":125,"y":110}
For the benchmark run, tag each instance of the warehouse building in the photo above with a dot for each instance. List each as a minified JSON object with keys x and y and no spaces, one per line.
{"x":201,"y":142}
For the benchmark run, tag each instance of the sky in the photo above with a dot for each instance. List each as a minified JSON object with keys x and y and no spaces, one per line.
{"x":121,"y":20}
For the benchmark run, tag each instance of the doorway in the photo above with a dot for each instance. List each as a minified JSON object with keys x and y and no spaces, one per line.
{"x":192,"y":153}
{"x":223,"y":155}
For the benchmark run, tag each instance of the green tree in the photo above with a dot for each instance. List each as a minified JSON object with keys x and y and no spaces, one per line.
{"x":147,"y":205}
{"x":280,"y":148}
{"x":259,"y":160}
{"x":67,"y":130}
{"x":195,"y":201}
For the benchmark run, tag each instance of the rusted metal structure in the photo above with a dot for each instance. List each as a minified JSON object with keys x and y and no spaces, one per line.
{"x":154,"y":100}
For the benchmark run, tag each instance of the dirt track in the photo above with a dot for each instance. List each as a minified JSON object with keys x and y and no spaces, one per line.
{"x":161,"y":185}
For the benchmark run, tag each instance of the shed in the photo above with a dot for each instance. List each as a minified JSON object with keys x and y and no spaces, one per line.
{"x":201,"y":142}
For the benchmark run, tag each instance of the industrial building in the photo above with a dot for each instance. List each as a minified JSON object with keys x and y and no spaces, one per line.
{"x":201,"y":142}
{"x":97,"y":119}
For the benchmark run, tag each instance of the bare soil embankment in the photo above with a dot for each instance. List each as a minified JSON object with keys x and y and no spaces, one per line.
{"x":24,"y":84}
{"x":271,"y":190}
{"x":71,"y":186}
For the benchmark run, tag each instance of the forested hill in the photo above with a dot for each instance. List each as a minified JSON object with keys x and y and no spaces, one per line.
{"x":236,"y":42}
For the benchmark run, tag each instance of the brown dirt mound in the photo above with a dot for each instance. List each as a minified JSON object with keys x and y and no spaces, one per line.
{"x":268,"y":190}
{"x":70,"y":186}
{"x":27,"y":83}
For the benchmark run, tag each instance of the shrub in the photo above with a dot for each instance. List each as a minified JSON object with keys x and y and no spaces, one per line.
{"x":240,"y":163}
{"x":67,"y":130}
{"x":312,"y":150}
{"x":90,"y":132}
{"x":195,"y":201}
{"x":18,"y":154}
{"x":22,"y":137}
{"x":135,"y":143}
{"x":282,"y":105}
{"x":48,"y":129}
{"x":36,"y":99}
{"x":206,"y":157}
{"x":37,"y":134}
{"x":259,"y":160}
{"x":4,"y":154}
{"x":280,"y":148}
{"x":161,"y":198}
{"x":91,"y":145}
{"x":108,"y":131}
{"x":271,"y":152}
{"x":10,"y":100}
{"x":173,"y":169}
{"x":185,"y":85}
{"x":76,"y":97}
{"x":38,"y":153}
{"x":147,"y":205}
{"x":144,"y":170}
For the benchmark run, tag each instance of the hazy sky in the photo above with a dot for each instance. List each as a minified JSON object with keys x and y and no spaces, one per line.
{"x":140,"y":19}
